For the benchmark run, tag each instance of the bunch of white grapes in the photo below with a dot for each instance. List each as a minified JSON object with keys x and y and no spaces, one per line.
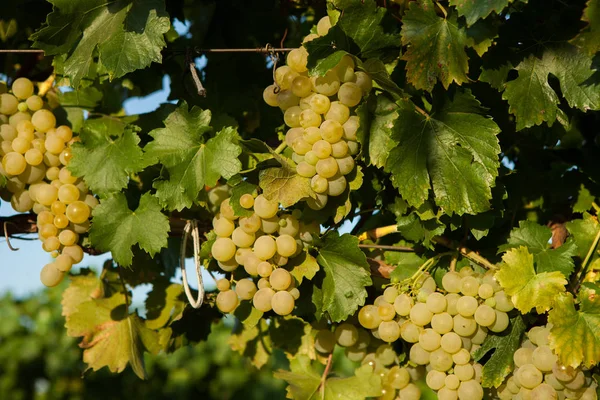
{"x":262,"y":243}
{"x":360,"y":346}
{"x":444,"y":328}
{"x":320,"y":112}
{"x":35,"y":153}
{"x":539,"y":376}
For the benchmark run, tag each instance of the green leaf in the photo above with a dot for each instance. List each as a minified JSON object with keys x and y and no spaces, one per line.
{"x":294,"y":336}
{"x":454,"y":151}
{"x":88,"y":97}
{"x":303,"y":266}
{"x":253,"y":342}
{"x":284,"y":185}
{"x":247,"y":314}
{"x":531,"y":98}
{"x":346,"y":275}
{"x":537,"y":240}
{"x":82,"y":288}
{"x":584,"y":200}
{"x":111,"y":338}
{"x":164,"y":303}
{"x":323,"y":65}
{"x":380,"y":131}
{"x":406,"y":264}
{"x":237,"y":191}
{"x":496,"y":76}
{"x":527,"y":289}
{"x":436,"y":47}
{"x":474,"y":10}
{"x":116,"y":228}
{"x":107,"y":155}
{"x":589,"y":37}
{"x":191,"y":161}
{"x":303,"y":381}
{"x":500,"y":364}
{"x":481,"y":35}
{"x":377,"y":71}
{"x":583,"y":232}
{"x":126,"y":37}
{"x":575,"y":334}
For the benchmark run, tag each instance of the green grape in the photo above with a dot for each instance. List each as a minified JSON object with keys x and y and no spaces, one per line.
{"x":14,"y":163}
{"x":350,"y":94}
{"x":34,"y":157}
{"x":306,"y":170}
{"x":442,"y":323}
{"x":440,"y":360}
{"x":543,"y":392}
{"x":223,"y":285}
{"x":390,"y":294}
{"x":451,"y":301}
{"x":223,"y":249}
{"x":318,"y":203}
{"x":265,"y":247}
{"x":345,"y":69}
{"x":286,"y":99}
{"x":523,"y":356}
{"x":50,"y":276}
{"x":332,"y":131}
{"x":247,"y":201}
{"x":312,"y":135}
{"x":576,"y":383}
{"x":398,"y":377}
{"x":501,"y":322}
{"x":368,"y":317}
{"x":8,"y":104}
{"x":250,"y":225}
{"x":338,"y":112}
{"x":21,"y":201}
{"x":461,"y":357}
{"x":301,"y":146}
{"x":339,"y":149}
{"x":297,"y":59}
{"x":467,"y":306}
{"x":61,"y":221}
{"x":269,"y":225}
{"x":227,"y":211}
{"x":403,"y":304}
{"x":265,"y":208}
{"x":485,"y":291}
{"x":284,"y":76}
{"x":245,"y":289}
{"x":327,"y":85}
{"x":353,"y":148}
{"x":389,"y":331}
{"x":469,"y":286}
{"x":67,"y":237}
{"x":310,"y":119}
{"x":464,"y":372}
{"x":451,"y":282}
{"x":485,"y":315}
{"x":327,"y":168}
{"x":22,"y":88}
{"x":21,"y":145}
{"x":319,"y":103}
{"x":464,"y":326}
{"x":529,"y":376}
{"x":420,"y":315}
{"x":227,"y":301}
{"x":286,"y":245}
{"x":429,"y":339}
{"x":301,"y":87}
{"x":322,"y":149}
{"x":264,"y":269}
{"x":280,"y":279}
{"x":282,"y":303}
{"x":479,"y":336}
{"x":75,"y":252}
{"x":543,"y":358}
{"x":288,"y":225}
{"x":418,"y":355}
{"x":43,"y":120}
{"x":291,"y":117}
{"x":346,"y":334}
{"x":34,"y":103}
{"x":262,"y":299}
{"x":410,"y":332}
{"x":323,"y":26}
{"x":436,"y":303}
{"x":336,"y":185}
{"x":470,"y":390}
{"x":386,"y":355}
{"x":292,"y":135}
{"x":295,"y":293}
{"x":68,"y":193}
{"x":435,"y":379}
{"x":78,"y":212}
{"x":345,"y":165}
{"x":325,"y":341}
{"x":503,"y":302}
{"x":51,"y":244}
{"x":364,"y":81}
{"x":46,"y":194}
{"x":386,"y":311}
{"x":351,"y":127}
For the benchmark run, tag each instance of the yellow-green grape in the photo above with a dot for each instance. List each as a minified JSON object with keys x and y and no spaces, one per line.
{"x":242,"y":238}
{"x":251,"y":224}
{"x":353,"y":148}
{"x":52,"y":173}
{"x":297,"y":59}
{"x":262,"y":299}
{"x":338,"y":112}
{"x":263,"y":283}
{"x":332,"y":131}
{"x":51,"y":160}
{"x":485,"y":315}
{"x":265,"y":208}
{"x":319,"y":103}
{"x":310,"y":37}
{"x":501,"y":322}
{"x":8,"y":104}
{"x":65,"y":156}
{"x":47,"y":230}
{"x":282,"y":303}
{"x":466,"y":306}
{"x":245,"y":289}
{"x":442,"y":323}
{"x":503,"y":302}
{"x":346,"y":334}
{"x":46,"y":194}
{"x":420,"y":315}
{"x":286,"y":245}
{"x":81,"y":228}
{"x":326,"y":85}
{"x":469,"y":286}
{"x":309,"y":119}
{"x":287,"y":99}
{"x":301,"y":86}
{"x":323,"y":26}
{"x":247,"y":200}
{"x":327,"y":167}
{"x":288,"y":225}
{"x":64,"y":263}
{"x":264,"y":269}
{"x":280,"y":279}
{"x":386,"y":311}
{"x":227,"y":301}
{"x":429,"y":339}
{"x":301,"y":146}
{"x":222,"y":226}
{"x":51,"y":244}
{"x":223,"y":249}
{"x":78,"y":212}
{"x":34,"y":157}
{"x":451,"y":342}
{"x":75,"y":252}
{"x":291,"y":117}
{"x":270,"y":97}
{"x":45,"y":217}
{"x":21,"y":201}
{"x":464,"y":326}
{"x":345,"y":165}
{"x":485,"y":291}
{"x":229,"y":265}
{"x":364,"y":81}
{"x":292,"y":135}
{"x":226,"y":210}
{"x":241,"y":254}
{"x":336,"y":185}
{"x":7,"y":132}
{"x":33,"y":174}
{"x":64,"y":132}
{"x":56,"y":184}
{"x":21,"y":145}
{"x":350,"y":94}
{"x":325,"y":341}
{"x":91,"y":201}
{"x":50,"y":276}
{"x":339,"y":149}
{"x":34,"y":103}
{"x":311,"y":135}
{"x":14,"y":163}
{"x":43,"y":120}
{"x":26,"y":130}
{"x":435,"y":379}
{"x":6,"y":146}
{"x":18,"y":117}
{"x":61,"y":221}
{"x":265,"y":247}
{"x":68,"y":193}
{"x":284,"y":76}
{"x":389,"y":331}
{"x":345,"y":69}
{"x":440,"y":360}
{"x":22,"y":107}
{"x":269,"y":225}
{"x":322,"y":149}
{"x":223,"y":284}
{"x":319,"y":184}
{"x":306,"y":170}
{"x":64,"y":176}
{"x":318,"y":203}
{"x":22,"y":88}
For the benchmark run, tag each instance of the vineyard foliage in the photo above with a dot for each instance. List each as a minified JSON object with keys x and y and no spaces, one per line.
{"x":411,"y":189}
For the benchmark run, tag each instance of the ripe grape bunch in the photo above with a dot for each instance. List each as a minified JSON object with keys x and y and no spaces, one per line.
{"x":360,"y":346}
{"x":35,"y":154}
{"x":262,"y":243}
{"x":539,"y":376}
{"x":320,"y":112}
{"x":443,"y":328}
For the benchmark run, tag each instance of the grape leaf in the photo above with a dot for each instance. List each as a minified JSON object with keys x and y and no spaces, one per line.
{"x":191,"y":161}
{"x":455,"y":151}
{"x":82,"y":288}
{"x":164,"y":303}
{"x":377,"y":71}
{"x":473,"y":10}
{"x":284,"y":185}
{"x":500,"y":364}
{"x":537,"y":240}
{"x":126,"y":37}
{"x":294,"y":336}
{"x":436,"y":47}
{"x":247,"y":314}
{"x":346,"y":275}
{"x":303,"y":381}
{"x":589,"y":37}
{"x":481,"y":35}
{"x":111,"y":337}
{"x":303,"y":266}
{"x":584,"y":200}
{"x":406,"y":264}
{"x":575,"y":334}
{"x":107,"y":155}
{"x":583,"y":232}
{"x":531,"y":98}
{"x":380,"y":131}
{"x":253,"y":342}
{"x":116,"y":228}
{"x":364,"y":384}
{"x":527,"y":289}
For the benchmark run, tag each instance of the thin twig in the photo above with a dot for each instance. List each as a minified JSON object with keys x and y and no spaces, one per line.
{"x":192,"y":66}
{"x":587,"y":259}
{"x":125,"y":291}
{"x":467,"y":253}
{"x":21,"y":51}
{"x":7,"y":237}
{"x":325,"y":373}
{"x":280,"y":148}
{"x":198,"y":51}
{"x":386,"y":247}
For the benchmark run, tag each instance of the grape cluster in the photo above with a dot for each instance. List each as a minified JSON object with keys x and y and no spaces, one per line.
{"x":443,"y":328}
{"x":35,"y":153}
{"x":319,"y":112}
{"x":262,"y":243}
{"x":538,"y":375}
{"x":360,"y":346}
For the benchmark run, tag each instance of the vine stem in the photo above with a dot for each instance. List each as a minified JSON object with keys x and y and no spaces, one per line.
{"x":125,"y":291}
{"x":588,"y":257}
{"x":280,"y":148}
{"x":386,"y":247}
{"x":596,"y":207}
{"x":465,"y":252}
{"x":325,"y":373}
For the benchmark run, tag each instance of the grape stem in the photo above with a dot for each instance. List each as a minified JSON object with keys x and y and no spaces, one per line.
{"x":465,"y":252}
{"x":325,"y":373}
{"x":386,"y":247}
{"x":587,"y":259}
{"x":280,"y":148}
{"x":125,"y":291}
{"x":596,"y":207}
{"x":8,"y":237}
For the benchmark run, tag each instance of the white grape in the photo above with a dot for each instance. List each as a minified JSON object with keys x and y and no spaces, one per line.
{"x":282,"y":303}
{"x":346,"y":334}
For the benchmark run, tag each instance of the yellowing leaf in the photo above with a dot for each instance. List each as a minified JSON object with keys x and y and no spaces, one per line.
{"x":252,"y":343}
{"x":527,"y":289}
{"x":575,"y":335}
